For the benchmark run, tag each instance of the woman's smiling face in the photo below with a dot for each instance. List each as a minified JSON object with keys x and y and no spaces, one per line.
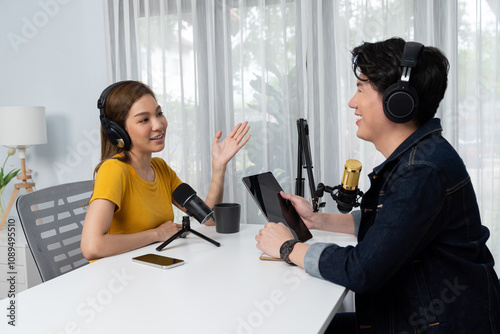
{"x":146,"y":125}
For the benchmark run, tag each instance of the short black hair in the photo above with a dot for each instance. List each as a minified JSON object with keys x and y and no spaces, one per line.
{"x":380,"y":62}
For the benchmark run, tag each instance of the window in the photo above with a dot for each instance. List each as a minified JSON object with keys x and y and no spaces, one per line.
{"x":216,"y":63}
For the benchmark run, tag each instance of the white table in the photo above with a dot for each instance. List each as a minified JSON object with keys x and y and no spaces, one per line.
{"x":220,"y":290}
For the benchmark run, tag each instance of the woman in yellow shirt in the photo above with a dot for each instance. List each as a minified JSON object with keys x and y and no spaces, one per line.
{"x":131,"y":206}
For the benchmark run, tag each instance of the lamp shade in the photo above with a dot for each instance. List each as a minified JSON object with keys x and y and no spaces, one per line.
{"x":22,"y":126}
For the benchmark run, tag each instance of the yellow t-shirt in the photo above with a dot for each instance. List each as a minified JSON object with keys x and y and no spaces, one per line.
{"x":140,"y":205}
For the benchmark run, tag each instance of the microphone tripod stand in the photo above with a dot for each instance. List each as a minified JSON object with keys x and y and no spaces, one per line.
{"x":186,"y":228}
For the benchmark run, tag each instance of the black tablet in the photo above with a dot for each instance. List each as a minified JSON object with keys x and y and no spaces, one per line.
{"x":265,"y":190}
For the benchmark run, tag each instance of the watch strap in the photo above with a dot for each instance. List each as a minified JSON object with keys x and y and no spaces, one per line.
{"x":285,"y":250}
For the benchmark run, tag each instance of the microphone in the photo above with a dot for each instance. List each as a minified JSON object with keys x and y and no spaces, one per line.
{"x":195,"y":206}
{"x":347,"y":193}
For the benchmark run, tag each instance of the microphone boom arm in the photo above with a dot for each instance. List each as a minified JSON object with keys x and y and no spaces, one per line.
{"x":304,"y":160}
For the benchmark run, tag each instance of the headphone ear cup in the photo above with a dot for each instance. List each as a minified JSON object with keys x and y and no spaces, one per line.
{"x":116,"y":134}
{"x":400,"y":104}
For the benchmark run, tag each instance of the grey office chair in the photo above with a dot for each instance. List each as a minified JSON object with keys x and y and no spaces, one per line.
{"x":52,"y":220}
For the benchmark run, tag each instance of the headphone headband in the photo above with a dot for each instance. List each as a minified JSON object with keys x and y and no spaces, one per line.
{"x":410,"y":54}
{"x":101,"y":102}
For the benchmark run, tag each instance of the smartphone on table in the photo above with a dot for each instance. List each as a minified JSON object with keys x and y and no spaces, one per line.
{"x":159,"y":261}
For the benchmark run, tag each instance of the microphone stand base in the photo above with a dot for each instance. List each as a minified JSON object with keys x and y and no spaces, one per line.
{"x":186,"y":228}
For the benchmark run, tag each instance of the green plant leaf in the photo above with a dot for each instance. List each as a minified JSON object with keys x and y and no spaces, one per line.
{"x":6,"y":179}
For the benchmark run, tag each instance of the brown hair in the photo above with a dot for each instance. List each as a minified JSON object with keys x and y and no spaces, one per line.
{"x":118,"y":104}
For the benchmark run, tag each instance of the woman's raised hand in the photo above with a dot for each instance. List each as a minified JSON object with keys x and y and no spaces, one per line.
{"x":225,"y":150}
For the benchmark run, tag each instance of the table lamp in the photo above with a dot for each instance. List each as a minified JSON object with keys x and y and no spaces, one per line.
{"x":21,"y":127}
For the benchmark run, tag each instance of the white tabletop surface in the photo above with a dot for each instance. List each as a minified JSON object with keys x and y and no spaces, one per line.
{"x":220,"y":290}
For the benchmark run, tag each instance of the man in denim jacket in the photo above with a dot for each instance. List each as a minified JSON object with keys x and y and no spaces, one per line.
{"x":421,"y":263}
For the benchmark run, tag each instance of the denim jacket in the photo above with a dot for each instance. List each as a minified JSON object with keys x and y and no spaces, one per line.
{"x":421,"y":263}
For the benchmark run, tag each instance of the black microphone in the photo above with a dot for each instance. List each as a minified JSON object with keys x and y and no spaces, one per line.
{"x":347,"y":193}
{"x":195,"y":206}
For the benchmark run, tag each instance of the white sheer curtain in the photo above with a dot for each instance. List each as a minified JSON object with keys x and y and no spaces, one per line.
{"x":214,"y":63}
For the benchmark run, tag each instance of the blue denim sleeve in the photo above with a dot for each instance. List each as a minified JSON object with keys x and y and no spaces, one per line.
{"x":313,"y":254}
{"x":356,"y":215}
{"x":311,"y":259}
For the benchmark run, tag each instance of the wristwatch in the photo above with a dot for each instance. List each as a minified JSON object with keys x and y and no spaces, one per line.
{"x":286,"y":249}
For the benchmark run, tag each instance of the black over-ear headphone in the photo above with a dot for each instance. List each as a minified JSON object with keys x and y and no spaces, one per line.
{"x":116,"y":134}
{"x":400,"y":101}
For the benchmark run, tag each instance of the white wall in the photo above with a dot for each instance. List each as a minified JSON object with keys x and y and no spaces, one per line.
{"x":52,"y":53}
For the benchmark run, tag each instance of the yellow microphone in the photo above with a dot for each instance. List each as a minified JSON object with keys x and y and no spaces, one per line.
{"x":352,"y":170}
{"x":346,"y":194}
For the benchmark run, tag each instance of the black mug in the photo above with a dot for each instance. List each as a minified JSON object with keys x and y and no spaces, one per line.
{"x":227,"y":217}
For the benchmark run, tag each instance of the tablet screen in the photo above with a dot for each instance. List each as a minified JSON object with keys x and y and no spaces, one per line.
{"x":265,"y":190}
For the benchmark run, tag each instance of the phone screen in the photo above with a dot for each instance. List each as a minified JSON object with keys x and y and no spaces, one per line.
{"x":160,"y":261}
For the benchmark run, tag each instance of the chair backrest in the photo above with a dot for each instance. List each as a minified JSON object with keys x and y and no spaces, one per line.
{"x":52,"y":220}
